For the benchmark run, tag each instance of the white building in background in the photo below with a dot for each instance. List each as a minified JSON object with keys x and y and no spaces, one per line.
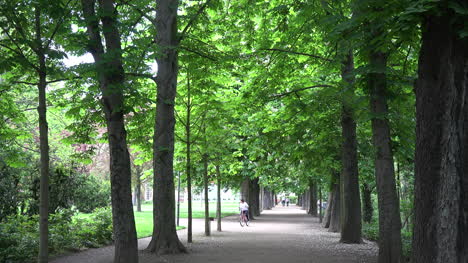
{"x":226,"y":195}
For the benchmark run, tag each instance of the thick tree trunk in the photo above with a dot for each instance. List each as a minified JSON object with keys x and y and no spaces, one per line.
{"x":351,"y":202}
{"x":335,"y":211}
{"x":389,"y":207}
{"x":207,"y":203}
{"x":327,"y":215}
{"x":441,"y":167}
{"x":254,"y":197}
{"x":111,"y":80}
{"x":246,"y":194}
{"x":312,"y":199}
{"x":368,"y":210}
{"x":165,"y":239}
{"x":218,"y":203}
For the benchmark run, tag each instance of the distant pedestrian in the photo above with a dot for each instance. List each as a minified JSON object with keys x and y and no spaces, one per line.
{"x":283,"y":201}
{"x":287,"y":201}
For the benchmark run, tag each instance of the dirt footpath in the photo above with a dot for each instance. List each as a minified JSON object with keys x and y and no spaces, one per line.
{"x":280,"y":235}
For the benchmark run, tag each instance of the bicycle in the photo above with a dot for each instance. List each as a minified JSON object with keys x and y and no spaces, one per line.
{"x":243,"y":219}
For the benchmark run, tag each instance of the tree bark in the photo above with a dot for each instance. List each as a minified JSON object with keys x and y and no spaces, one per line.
{"x":327,"y":215}
{"x":207,"y":203}
{"x":268,"y":199}
{"x":368,"y":210}
{"x":312,"y":199}
{"x":43,"y":145}
{"x":254,"y":197}
{"x":351,"y":202}
{"x":441,"y":164}
{"x":164,"y":239}
{"x":188,"y":169}
{"x":138,"y":188}
{"x":320,"y":205}
{"x":111,"y":80}
{"x":246,"y":193}
{"x":335,"y":211}
{"x":305,"y":200}
{"x":389,"y":207}
{"x":218,"y":203}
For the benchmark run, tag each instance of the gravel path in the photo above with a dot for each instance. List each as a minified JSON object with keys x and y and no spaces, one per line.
{"x":282,"y":235}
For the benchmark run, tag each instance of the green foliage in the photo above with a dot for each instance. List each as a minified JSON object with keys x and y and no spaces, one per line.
{"x":293,"y":199}
{"x":371,"y":232}
{"x":19,"y":234}
{"x":95,"y":230}
{"x":68,"y":188}
{"x":90,"y":193}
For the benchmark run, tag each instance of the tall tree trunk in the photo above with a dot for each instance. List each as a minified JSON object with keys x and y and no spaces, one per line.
{"x":188,"y":169}
{"x":327,"y":215}
{"x":112,"y":80}
{"x":389,"y":207}
{"x":305,"y":200}
{"x":165,"y":239}
{"x":367,"y":201}
{"x":254,"y":197}
{"x":207,"y":203}
{"x":44,"y":146}
{"x":218,"y":203}
{"x":246,"y":194}
{"x":320,"y":205}
{"x":268,"y":199}
{"x":138,"y":169}
{"x":441,"y":167}
{"x":335,"y":211}
{"x":312,"y":198}
{"x":351,"y":202}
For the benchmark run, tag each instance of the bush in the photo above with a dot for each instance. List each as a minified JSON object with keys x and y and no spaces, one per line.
{"x":19,"y":239}
{"x":96,"y":230}
{"x":292,"y":199}
{"x":19,"y":234}
{"x":90,"y":193}
{"x":371,"y":232}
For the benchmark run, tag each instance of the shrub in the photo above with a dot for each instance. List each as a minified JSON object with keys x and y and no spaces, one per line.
{"x":371,"y":232}
{"x":96,"y":230}
{"x":19,"y":239}
{"x":91,"y":192}
{"x":292,"y":199}
{"x":19,"y":234}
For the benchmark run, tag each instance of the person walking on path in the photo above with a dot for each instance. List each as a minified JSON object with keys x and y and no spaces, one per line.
{"x":283,"y":200}
{"x":287,"y":201}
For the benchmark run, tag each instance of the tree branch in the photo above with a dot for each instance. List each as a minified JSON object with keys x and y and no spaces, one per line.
{"x":141,"y":75}
{"x":190,"y":23}
{"x":197,"y":52}
{"x":275,"y":96}
{"x":296,"y":53}
{"x":51,"y":38}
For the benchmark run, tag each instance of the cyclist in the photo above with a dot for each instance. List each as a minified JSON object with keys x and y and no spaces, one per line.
{"x":244,"y":208}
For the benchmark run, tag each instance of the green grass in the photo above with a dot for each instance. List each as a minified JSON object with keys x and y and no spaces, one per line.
{"x":144,"y":219}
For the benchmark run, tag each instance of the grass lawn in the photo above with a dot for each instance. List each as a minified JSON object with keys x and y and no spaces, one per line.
{"x":144,"y":219}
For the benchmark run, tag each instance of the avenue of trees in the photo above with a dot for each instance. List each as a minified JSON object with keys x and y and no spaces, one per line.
{"x":359,"y":104}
